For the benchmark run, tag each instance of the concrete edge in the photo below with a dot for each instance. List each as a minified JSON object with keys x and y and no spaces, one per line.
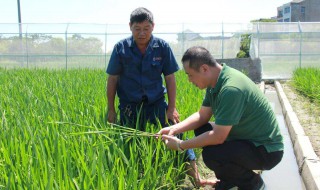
{"x":262,"y":86}
{"x":307,"y":160}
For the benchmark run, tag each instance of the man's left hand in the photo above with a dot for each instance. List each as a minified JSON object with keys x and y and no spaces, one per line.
{"x":173,"y":115}
{"x":172,"y":142}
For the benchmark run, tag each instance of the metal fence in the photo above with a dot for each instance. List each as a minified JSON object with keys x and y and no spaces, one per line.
{"x":283,"y":47}
{"x":280,"y":46}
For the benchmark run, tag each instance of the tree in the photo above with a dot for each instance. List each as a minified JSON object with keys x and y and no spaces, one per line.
{"x":246,"y":40}
{"x":80,"y":45}
{"x":264,"y":20}
{"x":245,"y":46}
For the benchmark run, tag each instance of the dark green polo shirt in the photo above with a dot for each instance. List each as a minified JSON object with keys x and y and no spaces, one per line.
{"x":237,"y":101}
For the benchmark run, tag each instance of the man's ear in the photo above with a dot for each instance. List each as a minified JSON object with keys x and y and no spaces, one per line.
{"x":204,"y":68}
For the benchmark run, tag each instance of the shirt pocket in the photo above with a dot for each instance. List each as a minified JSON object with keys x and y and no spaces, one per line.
{"x":131,"y":66}
{"x":157,"y":66}
{"x":156,"y":70}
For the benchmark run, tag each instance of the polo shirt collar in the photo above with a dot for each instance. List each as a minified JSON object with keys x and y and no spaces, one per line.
{"x":221,"y":78}
{"x":130,"y":41}
{"x":152,"y":43}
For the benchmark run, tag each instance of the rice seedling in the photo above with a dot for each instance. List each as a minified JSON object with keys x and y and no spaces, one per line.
{"x":306,"y":81}
{"x":55,"y":135}
{"x":118,"y":129}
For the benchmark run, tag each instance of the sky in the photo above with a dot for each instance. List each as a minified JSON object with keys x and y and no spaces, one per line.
{"x":118,"y":11}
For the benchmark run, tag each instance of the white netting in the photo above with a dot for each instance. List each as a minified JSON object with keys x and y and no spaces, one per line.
{"x":281,"y":47}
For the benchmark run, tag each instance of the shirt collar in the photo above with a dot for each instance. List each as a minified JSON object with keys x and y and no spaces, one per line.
{"x":153,"y":43}
{"x":221,"y":78}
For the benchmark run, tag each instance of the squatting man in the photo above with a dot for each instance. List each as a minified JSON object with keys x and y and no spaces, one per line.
{"x":245,"y":135}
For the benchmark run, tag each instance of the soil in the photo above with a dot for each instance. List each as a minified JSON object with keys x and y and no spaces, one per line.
{"x":205,"y":173}
{"x":308,"y":113}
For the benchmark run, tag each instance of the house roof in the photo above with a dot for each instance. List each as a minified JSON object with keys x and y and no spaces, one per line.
{"x":296,"y":1}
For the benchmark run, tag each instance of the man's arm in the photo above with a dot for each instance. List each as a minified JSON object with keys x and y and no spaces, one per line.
{"x":192,"y":122}
{"x":172,"y":113}
{"x":111,"y":93}
{"x":214,"y":137}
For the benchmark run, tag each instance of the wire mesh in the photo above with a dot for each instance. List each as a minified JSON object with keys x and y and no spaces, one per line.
{"x":282,"y":47}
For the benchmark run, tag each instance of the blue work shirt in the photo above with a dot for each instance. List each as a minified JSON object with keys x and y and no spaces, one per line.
{"x":141,"y":74}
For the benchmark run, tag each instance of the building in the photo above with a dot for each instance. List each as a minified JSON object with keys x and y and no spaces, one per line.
{"x":299,"y":11}
{"x":189,"y":35}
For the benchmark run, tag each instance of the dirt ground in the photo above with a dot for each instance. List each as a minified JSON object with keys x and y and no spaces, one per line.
{"x":205,"y":173}
{"x":308,"y":113}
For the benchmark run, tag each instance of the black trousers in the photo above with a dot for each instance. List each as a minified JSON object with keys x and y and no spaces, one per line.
{"x":234,"y":161}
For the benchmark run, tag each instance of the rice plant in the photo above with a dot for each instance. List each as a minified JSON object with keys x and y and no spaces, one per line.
{"x":54,"y":135}
{"x":306,"y":81}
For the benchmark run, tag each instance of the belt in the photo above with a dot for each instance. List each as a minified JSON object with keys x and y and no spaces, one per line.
{"x":144,"y":99}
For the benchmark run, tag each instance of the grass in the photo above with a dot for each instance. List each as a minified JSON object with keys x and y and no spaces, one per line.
{"x":307,"y":82}
{"x":303,"y":94}
{"x":54,"y":135}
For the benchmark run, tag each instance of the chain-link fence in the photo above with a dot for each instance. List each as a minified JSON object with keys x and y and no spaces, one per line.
{"x":280,"y":46}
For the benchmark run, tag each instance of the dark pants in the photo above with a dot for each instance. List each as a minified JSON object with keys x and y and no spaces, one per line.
{"x":137,"y":115}
{"x":233,"y":161}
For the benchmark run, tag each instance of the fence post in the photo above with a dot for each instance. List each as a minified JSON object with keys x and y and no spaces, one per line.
{"x":183,"y":38}
{"x":27,"y":48}
{"x":300,"y":53}
{"x":222,"y":43}
{"x":105,"y":47}
{"x":66,"y":47}
{"x":258,"y":34}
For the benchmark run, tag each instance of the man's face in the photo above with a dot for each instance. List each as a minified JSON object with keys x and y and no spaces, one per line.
{"x":142,"y":32}
{"x":196,"y":77}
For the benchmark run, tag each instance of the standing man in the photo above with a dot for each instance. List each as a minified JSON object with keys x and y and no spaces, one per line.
{"x":245,"y":135}
{"x":135,"y":73}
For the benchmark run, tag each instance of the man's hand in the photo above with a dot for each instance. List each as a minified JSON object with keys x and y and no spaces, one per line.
{"x":112,"y":116}
{"x":173,"y":115}
{"x":172,"y":142}
{"x":167,"y":131}
{"x":205,"y":182}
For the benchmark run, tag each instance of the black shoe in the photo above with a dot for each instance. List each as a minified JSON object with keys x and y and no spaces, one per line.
{"x":260,"y":184}
{"x":221,"y":185}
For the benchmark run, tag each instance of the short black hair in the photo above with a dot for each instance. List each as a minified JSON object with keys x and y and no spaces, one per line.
{"x":141,"y":14}
{"x":198,"y":56}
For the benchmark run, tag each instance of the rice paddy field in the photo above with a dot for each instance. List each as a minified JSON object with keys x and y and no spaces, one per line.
{"x":54,"y":135}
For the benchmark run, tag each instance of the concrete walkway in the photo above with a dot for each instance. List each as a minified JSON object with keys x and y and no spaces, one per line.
{"x":286,"y":174}
{"x":308,"y":161}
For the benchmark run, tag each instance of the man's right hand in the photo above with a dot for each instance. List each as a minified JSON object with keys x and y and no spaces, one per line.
{"x":112,"y":116}
{"x":167,"y":131}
